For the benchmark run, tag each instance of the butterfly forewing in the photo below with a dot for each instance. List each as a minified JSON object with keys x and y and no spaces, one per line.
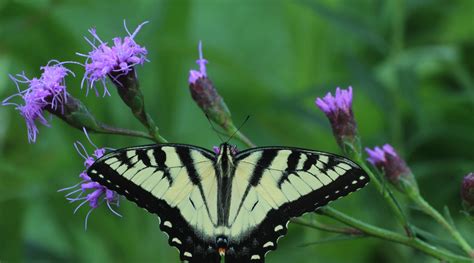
{"x":272,"y":185}
{"x":177,"y":183}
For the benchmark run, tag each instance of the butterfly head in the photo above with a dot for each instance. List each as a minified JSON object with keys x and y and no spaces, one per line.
{"x":227,"y":150}
{"x":221,"y":243}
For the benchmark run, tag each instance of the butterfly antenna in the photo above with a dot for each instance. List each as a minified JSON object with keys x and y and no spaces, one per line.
{"x":214,"y":129}
{"x":238,"y":129}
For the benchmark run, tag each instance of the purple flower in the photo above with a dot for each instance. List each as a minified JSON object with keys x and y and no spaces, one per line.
{"x":338,"y":109}
{"x":194,"y":75}
{"x":112,"y":61}
{"x":395,"y":169}
{"x":88,"y":191}
{"x":206,"y":96}
{"x":45,"y":93}
{"x":467,"y":192}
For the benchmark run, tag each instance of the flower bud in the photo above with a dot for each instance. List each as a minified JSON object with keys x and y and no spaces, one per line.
{"x":338,"y":109}
{"x":206,"y":96}
{"x":395,"y":169}
{"x":467,"y":192}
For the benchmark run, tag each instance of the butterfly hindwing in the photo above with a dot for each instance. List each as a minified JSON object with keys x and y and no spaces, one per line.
{"x":271,"y":185}
{"x":176,"y":182}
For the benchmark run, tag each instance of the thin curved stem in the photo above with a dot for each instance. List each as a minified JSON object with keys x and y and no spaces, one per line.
{"x":387,"y":194}
{"x":375,"y":231}
{"x":120,"y":131}
{"x":244,"y":139}
{"x":429,"y":210}
{"x":327,"y":228}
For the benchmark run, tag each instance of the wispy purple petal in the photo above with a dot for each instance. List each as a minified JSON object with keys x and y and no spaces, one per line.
{"x":194,"y":75}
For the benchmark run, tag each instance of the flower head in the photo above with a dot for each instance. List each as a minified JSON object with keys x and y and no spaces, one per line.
{"x":338,"y":109}
{"x":467,"y":192}
{"x":112,"y":61}
{"x":88,"y":191}
{"x":45,"y":93}
{"x":395,"y":169}
{"x":206,"y":96}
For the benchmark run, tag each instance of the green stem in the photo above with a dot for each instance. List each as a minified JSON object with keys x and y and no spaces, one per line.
{"x":234,"y":132}
{"x":153,"y":130}
{"x":387,"y":194}
{"x":327,"y":228}
{"x":120,"y":131}
{"x":429,"y":210}
{"x":244,"y":139}
{"x":381,"y":233}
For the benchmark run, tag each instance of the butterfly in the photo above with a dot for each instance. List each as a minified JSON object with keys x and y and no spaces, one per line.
{"x":227,"y":204}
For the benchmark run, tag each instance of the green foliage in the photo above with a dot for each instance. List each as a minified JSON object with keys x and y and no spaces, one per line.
{"x":410,"y":63}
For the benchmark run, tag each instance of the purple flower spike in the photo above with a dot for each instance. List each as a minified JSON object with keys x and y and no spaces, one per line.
{"x":45,"y":93}
{"x":395,"y":169}
{"x":206,"y":96}
{"x":338,"y":109}
{"x":88,"y":191}
{"x":194,"y":75}
{"x":112,"y":61}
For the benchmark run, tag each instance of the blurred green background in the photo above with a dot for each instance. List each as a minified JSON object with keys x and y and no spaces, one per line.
{"x":410,"y":63}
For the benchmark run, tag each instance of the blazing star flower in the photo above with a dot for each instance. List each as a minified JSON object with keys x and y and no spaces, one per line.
{"x":338,"y":109}
{"x":467,"y":192}
{"x":206,"y":96}
{"x":112,"y":61}
{"x":45,"y":93}
{"x":395,"y":169}
{"x":87,"y":190}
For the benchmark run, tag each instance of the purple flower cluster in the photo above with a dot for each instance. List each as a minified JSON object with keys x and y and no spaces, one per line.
{"x":89,"y":191}
{"x":336,"y":105}
{"x":194,"y":75}
{"x":112,"y":61}
{"x":387,"y":159}
{"x":46,"y":92}
{"x":338,"y":109}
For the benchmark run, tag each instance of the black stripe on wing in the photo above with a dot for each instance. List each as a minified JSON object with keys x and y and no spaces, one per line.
{"x":192,"y":247}
{"x":263,"y":238}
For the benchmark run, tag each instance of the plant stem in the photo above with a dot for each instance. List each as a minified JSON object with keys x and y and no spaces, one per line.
{"x":234,"y":132}
{"x":387,"y":194}
{"x":429,"y":210}
{"x":327,"y":228}
{"x":244,"y":139}
{"x":374,"y":231}
{"x":120,"y":131}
